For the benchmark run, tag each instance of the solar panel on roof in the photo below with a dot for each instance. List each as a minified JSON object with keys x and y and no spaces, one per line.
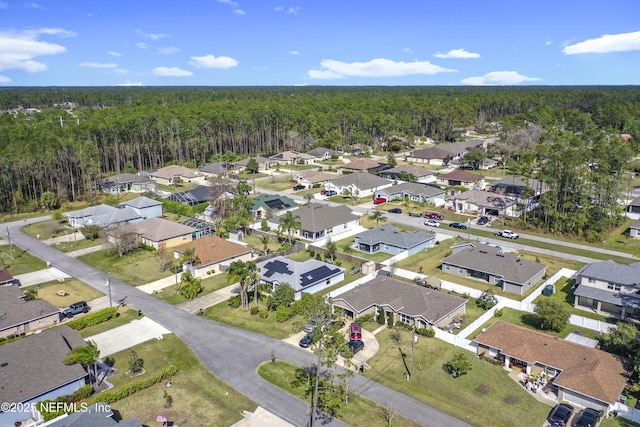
{"x":276,"y":266}
{"x":275,"y":204}
{"x":316,"y":275}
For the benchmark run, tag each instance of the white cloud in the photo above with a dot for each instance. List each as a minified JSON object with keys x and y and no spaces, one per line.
{"x":291,"y":10}
{"x":98,"y":65}
{"x":4,"y":5}
{"x":229,"y":2}
{"x":18,"y":49}
{"x":548,"y":43}
{"x":457,"y":54}
{"x":142,"y":45}
{"x":278,"y":9}
{"x":238,"y":12}
{"x":171,"y":72}
{"x":379,"y":67}
{"x":294,"y":52}
{"x":4,"y":79}
{"x":33,"y":5}
{"x":624,"y":42}
{"x":499,"y":78}
{"x":151,"y":36}
{"x":130,"y":84}
{"x":168,"y":50}
{"x":407,"y":50}
{"x":114,"y":53}
{"x":211,"y":61}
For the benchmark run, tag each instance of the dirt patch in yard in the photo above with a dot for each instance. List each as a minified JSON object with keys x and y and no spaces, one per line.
{"x":483,"y":388}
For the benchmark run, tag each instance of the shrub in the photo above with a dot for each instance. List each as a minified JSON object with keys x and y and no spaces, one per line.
{"x":235,"y":301}
{"x":365,"y":318}
{"x":318,"y":257}
{"x":264,"y":313}
{"x":254,"y":310}
{"x":81,"y":394}
{"x":381,"y":317}
{"x":93,"y":318}
{"x":112,"y":395}
{"x":312,"y":253}
{"x":390,"y":318}
{"x":338,"y":262}
{"x":91,"y":232}
{"x":458,"y":365}
{"x":486,"y":300}
{"x":497,"y":313}
{"x":283,"y":313}
{"x":426,"y":332}
{"x":135,"y":363}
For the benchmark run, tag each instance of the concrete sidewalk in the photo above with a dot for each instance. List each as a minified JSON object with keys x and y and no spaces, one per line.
{"x":127,"y":336}
{"x":159,"y":284}
{"x":209,"y":300}
{"x":91,"y":249}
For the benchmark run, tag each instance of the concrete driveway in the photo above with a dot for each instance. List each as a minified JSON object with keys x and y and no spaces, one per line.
{"x":129,"y":335}
{"x":42,"y":276}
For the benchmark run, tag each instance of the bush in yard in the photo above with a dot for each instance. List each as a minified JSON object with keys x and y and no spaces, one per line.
{"x":552,"y":315}
{"x":254,"y":310}
{"x":234,"y":302}
{"x":135,"y":363}
{"x":497,"y":313}
{"x":365,"y":318}
{"x":391,"y":318}
{"x":264,"y":313}
{"x":459,"y":364}
{"x":282,"y":296}
{"x":381,"y":317}
{"x":126,"y":390}
{"x":426,"y":332}
{"x":93,"y":318}
{"x":81,"y":394}
{"x":91,"y":232}
{"x":283,"y":313}
{"x":486,"y":300}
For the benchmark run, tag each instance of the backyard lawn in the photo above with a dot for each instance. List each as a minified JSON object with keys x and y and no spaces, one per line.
{"x":74,"y":291}
{"x":136,"y":268}
{"x":281,"y":183}
{"x":358,"y":412}
{"x":209,"y":284}
{"x":349,"y":241}
{"x":199,"y":398}
{"x":485,"y":396}
{"x":21,"y":262}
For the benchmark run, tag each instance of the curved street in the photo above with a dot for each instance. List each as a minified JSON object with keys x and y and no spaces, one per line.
{"x":231,"y":354}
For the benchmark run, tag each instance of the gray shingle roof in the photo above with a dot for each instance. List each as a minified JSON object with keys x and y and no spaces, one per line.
{"x":214,"y":168}
{"x":320,"y":151}
{"x":635,"y":225}
{"x":299,"y":275}
{"x":416,"y":171}
{"x":15,"y":310}
{"x":362,"y":180}
{"x":141,"y":202}
{"x":414,"y":188}
{"x":613,"y":272}
{"x":34,"y":365}
{"x":318,"y":217}
{"x":492,"y":260}
{"x":387,"y":234}
{"x":612,"y":297}
{"x":104,"y":215}
{"x":159,"y":229}
{"x":402,"y":297}
{"x":484,"y":199}
{"x":123,"y":178}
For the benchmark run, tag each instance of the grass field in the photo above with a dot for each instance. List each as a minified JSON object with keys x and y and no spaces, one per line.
{"x":459,"y":397}
{"x":209,"y":284}
{"x":199,"y":398}
{"x":136,"y":267}
{"x":74,"y":291}
{"x":125,"y":315}
{"x":279,"y":183}
{"x":21,"y":262}
{"x":358,"y":412}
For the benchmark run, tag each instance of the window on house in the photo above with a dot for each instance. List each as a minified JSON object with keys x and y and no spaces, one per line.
{"x":614,"y":286}
{"x":329,"y":230}
{"x":592,"y":280}
{"x":461,"y":271}
{"x":405,"y":319}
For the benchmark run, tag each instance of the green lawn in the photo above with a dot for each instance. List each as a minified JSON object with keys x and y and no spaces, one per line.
{"x":21,"y":262}
{"x":137,"y":267}
{"x":358,"y":412}
{"x":74,"y":291}
{"x":251,"y":176}
{"x":459,"y":397}
{"x":347,"y":200}
{"x":209,"y":284}
{"x":253,"y":240}
{"x":199,"y":398}
{"x":617,"y":422}
{"x":280,"y":183}
{"x":125,"y":315}
{"x":377,"y":257}
{"x":299,"y":167}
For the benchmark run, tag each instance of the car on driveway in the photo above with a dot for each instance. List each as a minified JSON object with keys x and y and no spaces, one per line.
{"x":309,"y":327}
{"x":458,"y":225}
{"x":560,"y":415}
{"x":355,"y":331}
{"x":483,"y":220}
{"x":331,"y":193}
{"x":433,"y":215}
{"x":589,"y":418}
{"x":432,"y":223}
{"x":507,"y":234}
{"x":76,"y":308}
{"x":415,"y":214}
{"x":379,"y":200}
{"x":355,"y":346}
{"x":299,"y":187}
{"x":395,"y":211}
{"x":307,"y":340}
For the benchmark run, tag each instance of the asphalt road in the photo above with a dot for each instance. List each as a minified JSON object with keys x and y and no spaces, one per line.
{"x":230,"y":353}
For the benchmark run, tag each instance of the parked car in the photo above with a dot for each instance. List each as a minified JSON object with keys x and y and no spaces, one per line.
{"x":483,"y":220}
{"x":433,"y":215}
{"x":560,"y":415}
{"x":507,"y":234}
{"x":589,"y":418}
{"x":324,"y":192}
{"x":330,"y":193}
{"x":299,"y":187}
{"x":395,"y":211}
{"x":76,"y":308}
{"x":337,"y":324}
{"x":355,"y":331}
{"x":355,"y":346}
{"x":379,"y":200}
{"x":307,"y":340}
{"x":458,"y":225}
{"x":432,"y":223}
{"x":309,"y":327}
{"x":415,"y":214}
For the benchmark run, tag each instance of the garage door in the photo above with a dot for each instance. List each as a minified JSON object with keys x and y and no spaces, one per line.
{"x":581,"y":400}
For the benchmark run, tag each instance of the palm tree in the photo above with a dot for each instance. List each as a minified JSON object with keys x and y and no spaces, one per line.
{"x":243,"y":217}
{"x":245,"y":273}
{"x":190,"y":286}
{"x":265,"y":239}
{"x":87,"y":356}
{"x":377,"y":216}
{"x":308,"y":197}
{"x":331,"y":249}
{"x":290,"y":223}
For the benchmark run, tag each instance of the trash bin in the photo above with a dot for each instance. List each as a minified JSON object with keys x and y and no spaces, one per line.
{"x":548,"y":290}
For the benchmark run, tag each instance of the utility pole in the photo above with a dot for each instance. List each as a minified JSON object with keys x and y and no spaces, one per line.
{"x":109,"y":286}
{"x":10,"y":246}
{"x":413,"y":338}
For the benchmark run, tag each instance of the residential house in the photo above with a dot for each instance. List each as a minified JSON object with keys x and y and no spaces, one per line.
{"x":633,"y":209}
{"x":321,"y":154}
{"x":104,"y":216}
{"x":518,"y":186}
{"x":169,"y":175}
{"x":387,"y":239}
{"x":214,"y":255}
{"x":195,"y":196}
{"x":216,"y":169}
{"x":21,"y":317}
{"x":320,"y":221}
{"x":411,"y":304}
{"x":310,"y":276}
{"x":442,"y":154}
{"x":160,"y":233}
{"x":144,"y":206}
{"x":219,"y":195}
{"x":33,"y":369}
{"x":291,"y":158}
{"x":97,"y":415}
{"x":311,"y":178}
{"x":579,"y":375}
{"x":463,"y":163}
{"x":482,"y":203}
{"x":361,"y":165}
{"x":634,"y":229}
{"x":491,"y":264}
{"x":609,"y":288}
{"x":126,"y":182}
{"x":414,"y":191}
{"x":357,"y":184}
{"x":267,"y":205}
{"x":264,"y":163}
{"x":6,"y":279}
{"x":464,"y":179}
{"x":420,"y":174}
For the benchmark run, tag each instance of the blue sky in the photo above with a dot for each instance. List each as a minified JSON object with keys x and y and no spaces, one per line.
{"x":319,"y":42}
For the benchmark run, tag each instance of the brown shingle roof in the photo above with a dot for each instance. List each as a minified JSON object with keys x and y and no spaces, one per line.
{"x":462,"y":176}
{"x":158,"y":229}
{"x":213,"y":249}
{"x":175,"y":170}
{"x":586,"y":370}
{"x":361,"y":164}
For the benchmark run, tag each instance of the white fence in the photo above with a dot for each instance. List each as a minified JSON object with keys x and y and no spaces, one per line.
{"x":396,"y":258}
{"x":627,"y":412}
{"x":351,"y":285}
{"x":456,"y":340}
{"x":593,"y":324}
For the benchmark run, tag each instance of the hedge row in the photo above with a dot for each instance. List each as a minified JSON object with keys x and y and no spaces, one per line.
{"x":111,"y":396}
{"x":93,"y":318}
{"x":80,"y":394}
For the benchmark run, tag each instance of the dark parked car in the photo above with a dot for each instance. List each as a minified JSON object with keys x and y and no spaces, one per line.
{"x":560,"y":415}
{"x":483,"y":220}
{"x":307,"y":340}
{"x":589,"y":418}
{"x":415,"y":214}
{"x":76,"y":308}
{"x":338,"y":324}
{"x":458,"y":225}
{"x":355,"y":346}
{"x":395,"y":210}
{"x":299,"y":187}
{"x":433,"y":215}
